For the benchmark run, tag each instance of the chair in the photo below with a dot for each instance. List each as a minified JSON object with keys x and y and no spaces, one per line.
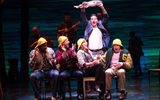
{"x":153,"y":70}
{"x":157,"y":70}
{"x":43,"y":86}
{"x":1,"y":90}
{"x":69,"y":86}
{"x":91,"y":79}
{"x":86,"y":79}
{"x":116,"y":79}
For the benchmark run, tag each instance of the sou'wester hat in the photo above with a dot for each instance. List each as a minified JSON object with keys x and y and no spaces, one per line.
{"x":80,"y":41}
{"x":40,"y":41}
{"x":117,"y":42}
{"x":61,"y":39}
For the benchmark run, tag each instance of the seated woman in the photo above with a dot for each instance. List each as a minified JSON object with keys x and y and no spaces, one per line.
{"x":90,"y":66}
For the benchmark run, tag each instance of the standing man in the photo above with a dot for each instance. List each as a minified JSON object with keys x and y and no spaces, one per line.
{"x":42,"y":62}
{"x":135,"y":48}
{"x":118,"y":60}
{"x":67,"y":59}
{"x":95,"y":33}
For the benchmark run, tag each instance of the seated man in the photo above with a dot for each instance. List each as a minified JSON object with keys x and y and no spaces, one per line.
{"x":42,"y":62}
{"x":118,"y":60}
{"x":67,"y":60}
{"x":90,"y":66}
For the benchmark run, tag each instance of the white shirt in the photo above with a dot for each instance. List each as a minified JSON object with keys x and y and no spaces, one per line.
{"x":95,"y":39}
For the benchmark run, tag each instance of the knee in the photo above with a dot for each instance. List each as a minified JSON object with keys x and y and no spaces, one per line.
{"x":108,"y":72}
{"x":33,"y":77}
{"x":121,"y":71}
{"x":54,"y":73}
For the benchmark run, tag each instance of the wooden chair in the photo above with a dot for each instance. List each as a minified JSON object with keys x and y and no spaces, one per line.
{"x":157,"y":70}
{"x":1,"y":90}
{"x":43,"y":86}
{"x":87,"y":79}
{"x":153,"y":70}
{"x":92,"y":79}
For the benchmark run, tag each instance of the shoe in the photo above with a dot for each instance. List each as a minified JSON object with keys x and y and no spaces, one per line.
{"x":53,"y":98}
{"x":108,"y":95}
{"x":123,"y":95}
{"x":61,"y":97}
{"x":36,"y":99}
{"x":98,"y":89}
{"x":80,"y":97}
{"x":101,"y":96}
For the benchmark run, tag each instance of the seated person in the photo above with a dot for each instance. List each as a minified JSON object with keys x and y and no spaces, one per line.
{"x":67,"y":60}
{"x":90,"y":66}
{"x":118,"y":60}
{"x":42,"y":63}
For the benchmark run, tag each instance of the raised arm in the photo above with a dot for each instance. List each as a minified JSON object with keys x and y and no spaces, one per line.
{"x":105,"y":13}
{"x":83,"y":15}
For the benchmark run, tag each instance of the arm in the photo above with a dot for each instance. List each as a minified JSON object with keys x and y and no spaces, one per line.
{"x":34,"y":60}
{"x":104,"y":12}
{"x":128,"y":63}
{"x":83,"y":15}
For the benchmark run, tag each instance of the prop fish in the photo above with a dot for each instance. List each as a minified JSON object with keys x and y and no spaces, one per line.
{"x":91,"y":3}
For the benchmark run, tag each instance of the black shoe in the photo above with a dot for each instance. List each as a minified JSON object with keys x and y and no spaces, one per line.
{"x":61,"y":97}
{"x":101,"y":96}
{"x":108,"y":95}
{"x":80,"y":97}
{"x":123,"y":95}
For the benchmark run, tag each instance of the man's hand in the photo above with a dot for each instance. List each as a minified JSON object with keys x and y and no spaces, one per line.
{"x":119,"y":65}
{"x":100,"y":4}
{"x":36,"y":52}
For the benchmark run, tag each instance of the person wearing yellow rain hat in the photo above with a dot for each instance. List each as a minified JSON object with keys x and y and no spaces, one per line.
{"x":118,"y":60}
{"x":42,"y":62}
{"x":90,"y":66}
{"x":67,"y":59}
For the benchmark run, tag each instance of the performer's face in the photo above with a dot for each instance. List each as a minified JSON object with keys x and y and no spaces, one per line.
{"x":116,"y":48}
{"x":85,"y":45}
{"x":66,"y":43}
{"x":43,"y":47}
{"x":94,"y":20}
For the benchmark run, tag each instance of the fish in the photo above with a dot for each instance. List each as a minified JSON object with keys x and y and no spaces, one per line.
{"x":91,"y":3}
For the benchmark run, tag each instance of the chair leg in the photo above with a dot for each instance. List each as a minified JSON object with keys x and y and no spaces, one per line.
{"x":69,"y":87}
{"x":84,"y":89}
{"x":117,"y":84}
{"x":149,"y":77}
{"x":1,"y":91}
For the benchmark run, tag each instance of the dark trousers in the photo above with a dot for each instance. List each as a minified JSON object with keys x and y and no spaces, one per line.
{"x":38,"y":75}
{"x":67,"y":74}
{"x":98,"y":72}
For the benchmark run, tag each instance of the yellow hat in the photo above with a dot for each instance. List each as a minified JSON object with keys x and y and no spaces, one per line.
{"x":117,"y":42}
{"x":61,"y":39}
{"x":41,"y":41}
{"x":80,"y":41}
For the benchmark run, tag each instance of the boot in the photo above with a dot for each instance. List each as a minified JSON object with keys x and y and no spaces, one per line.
{"x":108,"y":95}
{"x":123,"y":95}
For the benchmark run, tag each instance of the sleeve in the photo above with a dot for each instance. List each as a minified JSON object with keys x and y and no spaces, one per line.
{"x":84,"y":18}
{"x":80,"y":57}
{"x":128,"y":62}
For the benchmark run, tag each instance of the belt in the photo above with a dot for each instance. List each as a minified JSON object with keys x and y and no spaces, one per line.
{"x":96,"y":50}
